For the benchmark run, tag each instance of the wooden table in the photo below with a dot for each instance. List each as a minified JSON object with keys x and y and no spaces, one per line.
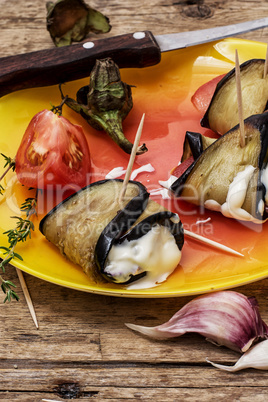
{"x":82,"y":349}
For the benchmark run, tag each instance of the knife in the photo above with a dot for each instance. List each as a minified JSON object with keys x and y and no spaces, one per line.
{"x":139,"y":49}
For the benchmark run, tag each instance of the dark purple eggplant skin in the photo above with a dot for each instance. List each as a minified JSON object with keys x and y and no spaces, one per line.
{"x":124,"y":219}
{"x":204,"y":122}
{"x":163,"y":218}
{"x":194,"y":140}
{"x":260,"y":122}
{"x":135,"y":207}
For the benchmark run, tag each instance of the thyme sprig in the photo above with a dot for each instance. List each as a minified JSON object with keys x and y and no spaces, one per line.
{"x":22,"y":231}
{"x":9,"y":164}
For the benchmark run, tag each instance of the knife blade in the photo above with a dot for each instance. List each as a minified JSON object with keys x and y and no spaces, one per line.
{"x":133,"y":50}
{"x":169,"y":42}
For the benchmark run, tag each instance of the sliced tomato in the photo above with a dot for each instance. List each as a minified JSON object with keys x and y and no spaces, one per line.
{"x":180,"y":169}
{"x":202,"y":96}
{"x":53,"y":152}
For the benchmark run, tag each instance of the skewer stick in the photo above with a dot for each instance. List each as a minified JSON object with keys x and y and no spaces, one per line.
{"x":212,"y":243}
{"x":239,"y":100}
{"x":27,"y":296}
{"x":265,"y":64}
{"x":131,"y":159}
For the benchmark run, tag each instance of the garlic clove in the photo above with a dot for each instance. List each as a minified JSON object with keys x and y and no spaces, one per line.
{"x":226,"y":318}
{"x":256,"y":357}
{"x":150,"y":331}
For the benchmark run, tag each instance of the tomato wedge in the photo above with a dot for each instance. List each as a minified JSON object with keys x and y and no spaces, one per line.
{"x":53,"y":152}
{"x":202,"y":96}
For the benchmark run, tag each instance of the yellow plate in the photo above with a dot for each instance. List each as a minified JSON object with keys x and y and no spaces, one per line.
{"x":164,"y":93}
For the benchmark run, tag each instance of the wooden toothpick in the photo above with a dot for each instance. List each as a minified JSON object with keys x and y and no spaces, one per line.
{"x":212,"y":243}
{"x":27,"y":296}
{"x":239,"y":100}
{"x":131,"y":159}
{"x":266,"y":64}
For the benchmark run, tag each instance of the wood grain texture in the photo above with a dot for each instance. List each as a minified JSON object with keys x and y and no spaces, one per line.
{"x":23,"y":27}
{"x":83,"y":350}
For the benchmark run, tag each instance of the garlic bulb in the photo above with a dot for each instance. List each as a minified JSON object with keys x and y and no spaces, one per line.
{"x":256,"y":357}
{"x":226,"y":318}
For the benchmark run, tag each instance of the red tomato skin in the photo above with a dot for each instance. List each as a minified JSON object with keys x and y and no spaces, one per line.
{"x":181,"y":168}
{"x":203,"y":95}
{"x":50,"y":147}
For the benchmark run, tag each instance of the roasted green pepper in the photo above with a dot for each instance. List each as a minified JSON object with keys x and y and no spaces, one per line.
{"x":106,"y":102}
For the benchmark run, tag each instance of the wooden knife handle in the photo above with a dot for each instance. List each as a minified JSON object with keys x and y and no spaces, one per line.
{"x":68,"y":63}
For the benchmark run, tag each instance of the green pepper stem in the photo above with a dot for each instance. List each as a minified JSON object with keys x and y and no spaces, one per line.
{"x":112,"y":125}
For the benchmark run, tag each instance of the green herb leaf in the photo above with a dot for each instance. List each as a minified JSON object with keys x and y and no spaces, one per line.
{"x":9,"y":162}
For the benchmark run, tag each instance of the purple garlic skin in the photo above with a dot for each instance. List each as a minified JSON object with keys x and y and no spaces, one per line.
{"x":226,"y":318}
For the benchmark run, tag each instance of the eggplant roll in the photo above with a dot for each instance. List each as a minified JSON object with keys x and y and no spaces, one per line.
{"x":229,"y":178}
{"x":90,"y":228}
{"x":222,"y":113}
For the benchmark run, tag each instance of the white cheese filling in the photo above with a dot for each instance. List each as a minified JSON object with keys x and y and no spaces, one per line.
{"x":155,"y":253}
{"x":232,"y":208}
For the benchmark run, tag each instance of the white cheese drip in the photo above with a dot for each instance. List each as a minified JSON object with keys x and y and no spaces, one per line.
{"x":156,"y":253}
{"x":119,"y":171}
{"x":202,"y":221}
{"x":145,"y":168}
{"x":161,"y":191}
{"x":235,"y":197}
{"x":115,"y":173}
{"x":167,"y":183}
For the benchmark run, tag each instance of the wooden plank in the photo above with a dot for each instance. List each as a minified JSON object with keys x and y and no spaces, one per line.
{"x":36,"y":377}
{"x":27,"y":20}
{"x":91,"y":327}
{"x":113,"y":394}
{"x":82,"y":348}
{"x":132,"y":381}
